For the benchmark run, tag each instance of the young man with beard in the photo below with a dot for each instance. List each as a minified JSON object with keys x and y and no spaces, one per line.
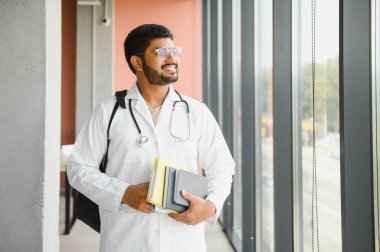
{"x":149,"y":127}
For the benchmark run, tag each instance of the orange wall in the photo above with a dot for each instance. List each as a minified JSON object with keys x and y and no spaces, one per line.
{"x":183,"y":18}
{"x":68,"y":71}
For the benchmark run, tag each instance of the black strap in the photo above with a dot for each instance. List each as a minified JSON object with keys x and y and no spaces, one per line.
{"x":120,"y":98}
{"x":120,"y":101}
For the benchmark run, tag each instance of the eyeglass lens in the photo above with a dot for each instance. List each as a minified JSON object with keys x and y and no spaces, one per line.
{"x":164,"y":51}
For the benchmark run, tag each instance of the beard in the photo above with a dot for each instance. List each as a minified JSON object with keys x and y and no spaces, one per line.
{"x":159,"y":79}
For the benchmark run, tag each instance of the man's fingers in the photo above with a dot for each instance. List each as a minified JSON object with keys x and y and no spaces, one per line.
{"x":145,"y":184}
{"x":146,"y":209}
{"x":149,"y":208}
{"x":144,"y":206}
{"x":188,"y":196}
{"x":176,"y":218}
{"x":182,"y":219}
{"x":179,"y":216}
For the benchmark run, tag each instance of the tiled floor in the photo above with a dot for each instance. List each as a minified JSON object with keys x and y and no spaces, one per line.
{"x":84,"y":239}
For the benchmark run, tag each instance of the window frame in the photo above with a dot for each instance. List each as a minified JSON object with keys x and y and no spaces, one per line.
{"x":283,"y":125}
{"x":356,"y":138}
{"x":375,"y":67}
{"x":297,"y":130}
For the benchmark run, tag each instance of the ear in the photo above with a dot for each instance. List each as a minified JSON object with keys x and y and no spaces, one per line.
{"x":136,"y":63}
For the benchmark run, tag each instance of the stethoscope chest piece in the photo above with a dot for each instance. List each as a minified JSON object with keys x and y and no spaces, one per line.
{"x":142,"y":141}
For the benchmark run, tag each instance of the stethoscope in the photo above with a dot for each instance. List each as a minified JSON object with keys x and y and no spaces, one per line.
{"x":143,"y":141}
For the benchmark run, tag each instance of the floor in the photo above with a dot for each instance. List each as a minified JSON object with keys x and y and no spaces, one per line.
{"x":84,"y":239}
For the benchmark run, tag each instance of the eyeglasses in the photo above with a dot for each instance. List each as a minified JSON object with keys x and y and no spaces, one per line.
{"x":164,"y":51}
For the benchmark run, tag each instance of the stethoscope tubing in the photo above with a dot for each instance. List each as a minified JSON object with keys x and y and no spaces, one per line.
{"x":143,"y":140}
{"x":133,"y":116}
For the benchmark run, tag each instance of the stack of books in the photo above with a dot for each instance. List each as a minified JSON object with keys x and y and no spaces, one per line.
{"x":166,"y":182}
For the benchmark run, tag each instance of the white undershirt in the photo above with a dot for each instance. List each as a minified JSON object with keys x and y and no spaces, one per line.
{"x":154,"y":113}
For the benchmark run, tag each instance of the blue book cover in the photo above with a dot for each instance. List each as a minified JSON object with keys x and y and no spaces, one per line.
{"x":191,"y":183}
{"x":170,"y":204}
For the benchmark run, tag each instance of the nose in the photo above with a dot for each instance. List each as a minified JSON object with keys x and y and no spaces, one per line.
{"x":170,"y":58}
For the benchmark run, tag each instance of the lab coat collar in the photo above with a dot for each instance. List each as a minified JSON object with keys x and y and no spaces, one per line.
{"x":142,"y":108}
{"x":135,"y":94}
{"x":172,"y":96}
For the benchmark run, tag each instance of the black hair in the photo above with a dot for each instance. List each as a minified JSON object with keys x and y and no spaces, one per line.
{"x":138,"y":40}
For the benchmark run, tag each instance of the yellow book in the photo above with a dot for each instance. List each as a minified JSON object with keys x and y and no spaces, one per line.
{"x":157,"y":180}
{"x":166,"y":185}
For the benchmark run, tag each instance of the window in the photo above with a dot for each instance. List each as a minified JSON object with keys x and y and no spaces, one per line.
{"x":237,"y":141}
{"x":264,"y":119}
{"x":326,"y":221}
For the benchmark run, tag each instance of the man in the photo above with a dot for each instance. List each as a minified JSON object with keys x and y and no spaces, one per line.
{"x":146,"y":128}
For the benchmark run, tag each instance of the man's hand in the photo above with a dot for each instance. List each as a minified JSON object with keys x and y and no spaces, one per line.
{"x":135,"y":197}
{"x":198,"y":211}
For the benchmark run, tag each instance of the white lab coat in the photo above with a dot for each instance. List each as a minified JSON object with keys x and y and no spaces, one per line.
{"x":122,"y":227}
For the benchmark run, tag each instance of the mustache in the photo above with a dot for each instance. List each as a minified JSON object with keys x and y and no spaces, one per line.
{"x":171,"y":64}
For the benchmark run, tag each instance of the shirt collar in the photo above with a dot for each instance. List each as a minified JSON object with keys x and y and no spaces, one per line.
{"x":134,"y":93}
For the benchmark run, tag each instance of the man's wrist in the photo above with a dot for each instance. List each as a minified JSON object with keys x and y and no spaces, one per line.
{"x":212,"y":208}
{"x":125,"y":196}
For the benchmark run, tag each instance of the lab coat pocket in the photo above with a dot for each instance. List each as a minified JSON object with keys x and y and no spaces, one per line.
{"x":124,"y":230}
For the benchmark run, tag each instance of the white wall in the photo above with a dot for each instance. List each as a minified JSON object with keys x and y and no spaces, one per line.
{"x":30,"y":45}
{"x":94,"y":74}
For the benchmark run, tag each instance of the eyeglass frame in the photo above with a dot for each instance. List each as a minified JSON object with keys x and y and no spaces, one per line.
{"x":168,"y":50}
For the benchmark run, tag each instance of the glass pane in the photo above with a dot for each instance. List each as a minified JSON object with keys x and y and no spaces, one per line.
{"x":326,"y":106}
{"x":264,"y":135}
{"x":237,"y":186}
{"x":237,"y":202}
{"x":376,"y":112}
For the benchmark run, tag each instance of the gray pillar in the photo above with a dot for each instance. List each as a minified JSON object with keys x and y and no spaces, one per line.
{"x":356,"y":126}
{"x":282,"y":126}
{"x":30,"y":68}
{"x":94,"y":78}
{"x":248,"y":165}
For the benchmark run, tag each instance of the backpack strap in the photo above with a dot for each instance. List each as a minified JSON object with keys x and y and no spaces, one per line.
{"x":120,"y":98}
{"x":120,"y":101}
